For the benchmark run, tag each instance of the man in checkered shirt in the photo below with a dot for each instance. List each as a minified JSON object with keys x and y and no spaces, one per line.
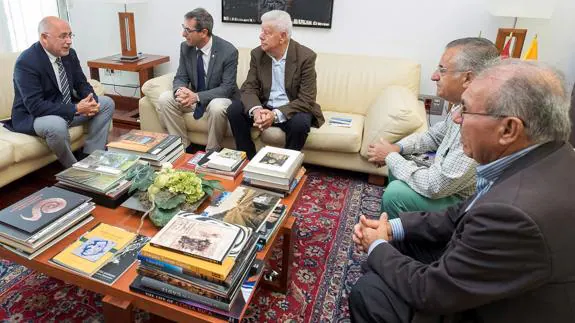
{"x":450,"y":178}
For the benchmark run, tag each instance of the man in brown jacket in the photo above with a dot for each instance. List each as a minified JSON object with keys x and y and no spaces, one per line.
{"x":280,"y":89}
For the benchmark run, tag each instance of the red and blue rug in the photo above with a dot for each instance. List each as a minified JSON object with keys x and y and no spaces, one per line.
{"x":325,"y":265}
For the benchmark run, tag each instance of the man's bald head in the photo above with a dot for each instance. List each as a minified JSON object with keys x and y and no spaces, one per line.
{"x":534,"y":92}
{"x":55,"y":35}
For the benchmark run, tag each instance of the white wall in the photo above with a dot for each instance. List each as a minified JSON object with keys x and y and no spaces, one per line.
{"x":414,"y":29}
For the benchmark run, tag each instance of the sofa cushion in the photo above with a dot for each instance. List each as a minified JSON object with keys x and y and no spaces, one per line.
{"x":327,"y":137}
{"x":7,"y":61}
{"x":392,"y":116}
{"x":7,"y":155}
{"x":30,"y":147}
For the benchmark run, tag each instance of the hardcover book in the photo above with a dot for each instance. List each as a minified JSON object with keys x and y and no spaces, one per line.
{"x":92,"y":251}
{"x":121,"y":261}
{"x":107,"y":162}
{"x":196,"y":237}
{"x":90,"y":180}
{"x":226,"y":159}
{"x":41,"y":208}
{"x":244,"y":206}
{"x":277,"y":162}
{"x":139,"y":140}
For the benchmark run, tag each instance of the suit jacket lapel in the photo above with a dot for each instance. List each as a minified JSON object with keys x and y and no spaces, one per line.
{"x":291,"y":68}
{"x":213,"y":57}
{"x":45,"y":61}
{"x":266,"y":75}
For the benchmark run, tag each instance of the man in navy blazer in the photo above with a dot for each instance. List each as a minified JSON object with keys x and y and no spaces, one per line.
{"x":505,"y":254}
{"x":52,"y":94}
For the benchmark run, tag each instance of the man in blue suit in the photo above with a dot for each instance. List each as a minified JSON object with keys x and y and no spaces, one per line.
{"x":52,"y":94}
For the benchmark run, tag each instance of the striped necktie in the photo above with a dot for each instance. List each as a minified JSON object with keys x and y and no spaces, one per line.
{"x":65,"y":87}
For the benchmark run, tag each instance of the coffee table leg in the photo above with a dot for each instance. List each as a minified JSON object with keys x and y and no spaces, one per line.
{"x":117,"y":310}
{"x":280,"y":284}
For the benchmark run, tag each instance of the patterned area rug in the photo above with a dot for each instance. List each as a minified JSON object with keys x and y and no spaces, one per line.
{"x":325,"y":265}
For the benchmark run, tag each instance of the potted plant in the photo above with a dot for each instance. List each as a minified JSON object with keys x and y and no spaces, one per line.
{"x":164,"y":193}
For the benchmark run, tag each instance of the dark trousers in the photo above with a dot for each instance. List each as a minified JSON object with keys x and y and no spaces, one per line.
{"x":296,"y":129}
{"x":372,"y":300}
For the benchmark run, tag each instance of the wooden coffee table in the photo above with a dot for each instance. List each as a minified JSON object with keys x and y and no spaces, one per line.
{"x":118,"y":300}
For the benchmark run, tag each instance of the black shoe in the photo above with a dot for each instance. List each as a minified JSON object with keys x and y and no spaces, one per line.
{"x":190,"y":149}
{"x":79,"y":154}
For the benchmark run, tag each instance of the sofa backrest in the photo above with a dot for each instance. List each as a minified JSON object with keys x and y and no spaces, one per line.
{"x":351,"y":83}
{"x":7,"y":61}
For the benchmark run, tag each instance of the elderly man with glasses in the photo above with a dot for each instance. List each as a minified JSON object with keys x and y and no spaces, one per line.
{"x":52,"y":94}
{"x":505,"y":254}
{"x":450,"y":176}
{"x":280,"y":89}
{"x":205,"y":81}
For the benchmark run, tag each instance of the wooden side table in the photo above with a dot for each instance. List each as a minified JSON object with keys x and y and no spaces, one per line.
{"x":127,"y":112}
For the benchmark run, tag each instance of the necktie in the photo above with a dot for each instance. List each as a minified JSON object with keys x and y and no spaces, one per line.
{"x":201,"y":84}
{"x":65,"y":87}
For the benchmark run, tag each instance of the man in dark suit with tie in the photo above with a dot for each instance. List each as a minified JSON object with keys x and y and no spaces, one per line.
{"x":51,"y":94}
{"x":280,"y":89}
{"x":505,"y":254}
{"x":205,"y":81}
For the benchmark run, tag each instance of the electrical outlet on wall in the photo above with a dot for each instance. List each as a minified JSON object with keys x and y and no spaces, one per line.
{"x":433,"y":104}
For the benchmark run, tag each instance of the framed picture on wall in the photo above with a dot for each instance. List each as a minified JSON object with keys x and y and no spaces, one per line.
{"x":306,"y":13}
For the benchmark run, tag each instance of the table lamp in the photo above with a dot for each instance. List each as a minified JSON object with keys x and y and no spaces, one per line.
{"x":541,"y":9}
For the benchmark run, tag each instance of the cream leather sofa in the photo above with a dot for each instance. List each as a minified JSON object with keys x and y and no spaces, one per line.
{"x":21,"y":154}
{"x":379,"y":94}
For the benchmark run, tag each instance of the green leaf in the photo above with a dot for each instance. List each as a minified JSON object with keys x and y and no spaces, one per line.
{"x":167,"y":200}
{"x":160,"y":217}
{"x":142,"y":176}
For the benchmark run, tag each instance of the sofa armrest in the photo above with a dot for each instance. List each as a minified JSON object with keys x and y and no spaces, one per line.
{"x":393,"y":115}
{"x":148,"y":104}
{"x":98,"y":87}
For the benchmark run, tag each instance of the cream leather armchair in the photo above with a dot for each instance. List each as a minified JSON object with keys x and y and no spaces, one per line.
{"x":21,"y":154}
{"x":378,"y":94}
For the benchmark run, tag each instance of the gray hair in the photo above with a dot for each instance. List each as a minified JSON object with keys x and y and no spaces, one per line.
{"x":535,"y":93}
{"x":281,"y":20}
{"x":46,"y":23}
{"x":475,"y":53}
{"x":203,"y":19}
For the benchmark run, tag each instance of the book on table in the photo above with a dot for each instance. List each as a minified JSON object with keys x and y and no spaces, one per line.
{"x":121,"y":261}
{"x":107,"y":162}
{"x":30,"y":243}
{"x":226,"y":159}
{"x":155,"y":153}
{"x":275,"y":162}
{"x":40,"y":208}
{"x":94,"y":249}
{"x":139,"y":141}
{"x":91,"y":181}
{"x":197,"y":237}
{"x":244,"y":206}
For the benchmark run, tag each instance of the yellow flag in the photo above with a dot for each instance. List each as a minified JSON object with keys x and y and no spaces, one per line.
{"x":532,"y":50}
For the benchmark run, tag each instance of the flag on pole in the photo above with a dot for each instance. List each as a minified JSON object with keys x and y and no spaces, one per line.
{"x":505,"y":53}
{"x":532,"y":50}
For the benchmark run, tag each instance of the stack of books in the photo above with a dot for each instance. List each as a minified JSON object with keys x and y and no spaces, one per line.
{"x":226,"y":164}
{"x":155,"y":148}
{"x":259,"y":210}
{"x":104,"y":253}
{"x":35,"y":223}
{"x":275,"y":170}
{"x":101,"y":176}
{"x":199,"y":263}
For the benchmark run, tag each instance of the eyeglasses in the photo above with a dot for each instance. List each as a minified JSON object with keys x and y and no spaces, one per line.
{"x":444,"y":70}
{"x":189,"y":31}
{"x":459,"y":112}
{"x":63,"y":36}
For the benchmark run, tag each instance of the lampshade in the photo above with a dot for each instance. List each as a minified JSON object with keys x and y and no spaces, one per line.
{"x":522,"y":8}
